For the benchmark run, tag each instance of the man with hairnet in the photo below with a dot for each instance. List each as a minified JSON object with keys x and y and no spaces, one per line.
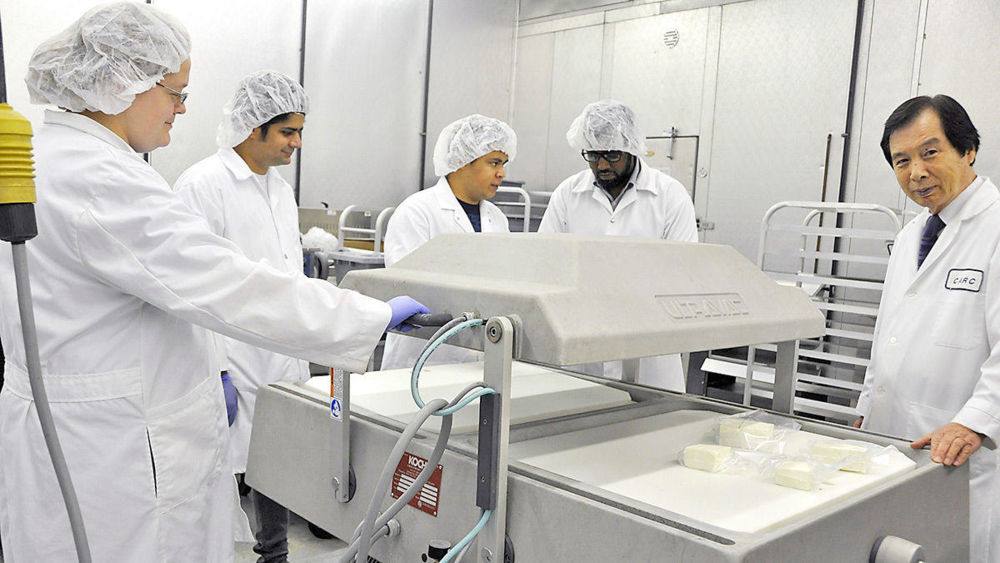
{"x":129,"y":285}
{"x":245,"y":200}
{"x":469,"y":158}
{"x":620,"y":195}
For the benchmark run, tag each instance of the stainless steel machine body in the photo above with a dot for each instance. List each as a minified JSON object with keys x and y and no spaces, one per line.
{"x":570,"y":300}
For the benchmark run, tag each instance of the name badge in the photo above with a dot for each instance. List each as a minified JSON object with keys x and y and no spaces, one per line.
{"x":964,"y":280}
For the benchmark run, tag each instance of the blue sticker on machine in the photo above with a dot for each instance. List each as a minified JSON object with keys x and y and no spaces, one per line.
{"x":335,"y":409}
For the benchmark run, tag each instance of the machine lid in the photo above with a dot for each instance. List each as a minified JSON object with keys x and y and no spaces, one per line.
{"x":581,"y":299}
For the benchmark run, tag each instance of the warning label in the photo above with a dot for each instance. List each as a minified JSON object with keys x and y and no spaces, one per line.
{"x":406,"y":474}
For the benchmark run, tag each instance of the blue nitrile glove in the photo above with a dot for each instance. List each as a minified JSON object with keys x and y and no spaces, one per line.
{"x":232,"y":401}
{"x":402,"y":308}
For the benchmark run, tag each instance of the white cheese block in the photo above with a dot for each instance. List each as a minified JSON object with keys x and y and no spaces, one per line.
{"x":706,"y":457}
{"x":744,"y":434}
{"x":835,"y":452}
{"x":794,"y":474}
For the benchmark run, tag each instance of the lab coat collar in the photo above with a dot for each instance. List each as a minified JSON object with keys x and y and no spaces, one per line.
{"x":235,"y":164}
{"x":89,"y":126}
{"x":447,"y":200}
{"x":975,"y":199}
{"x":972,"y":201}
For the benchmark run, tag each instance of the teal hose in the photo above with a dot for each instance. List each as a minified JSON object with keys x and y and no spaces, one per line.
{"x":415,"y":378}
{"x":480,"y":390}
{"x":468,"y":537}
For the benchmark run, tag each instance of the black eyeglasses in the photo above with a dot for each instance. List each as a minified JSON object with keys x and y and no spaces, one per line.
{"x":180,"y":96}
{"x":594,"y":156}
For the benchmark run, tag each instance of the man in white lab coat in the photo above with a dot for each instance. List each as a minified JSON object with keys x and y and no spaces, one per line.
{"x":128,"y":286}
{"x":240,"y":193}
{"x":934,"y":376}
{"x":620,"y":195}
{"x":469,"y":158}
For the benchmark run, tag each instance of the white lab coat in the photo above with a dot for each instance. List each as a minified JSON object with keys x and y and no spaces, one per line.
{"x":656,"y":206}
{"x":421,"y":217}
{"x":262,"y":219}
{"x":936,"y":353}
{"x":128,"y":284}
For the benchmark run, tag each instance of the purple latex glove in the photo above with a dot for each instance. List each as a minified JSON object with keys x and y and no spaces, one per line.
{"x":402,"y":308}
{"x":232,"y":401}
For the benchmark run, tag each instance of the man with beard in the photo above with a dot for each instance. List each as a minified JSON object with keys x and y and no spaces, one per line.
{"x":620,"y":195}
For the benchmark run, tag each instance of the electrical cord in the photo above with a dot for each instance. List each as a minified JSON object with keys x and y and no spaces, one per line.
{"x":371,"y":528}
{"x":363,"y":540}
{"x":385,"y":477}
{"x":440,"y":336}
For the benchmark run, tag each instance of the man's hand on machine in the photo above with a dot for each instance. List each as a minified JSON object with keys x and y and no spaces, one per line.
{"x":404,"y":307}
{"x":951,"y":444}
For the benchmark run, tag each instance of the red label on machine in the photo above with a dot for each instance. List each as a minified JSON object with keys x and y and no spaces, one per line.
{"x":406,"y":474}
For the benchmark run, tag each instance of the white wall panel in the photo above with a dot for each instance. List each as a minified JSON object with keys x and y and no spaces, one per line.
{"x":961,"y":58}
{"x":229,"y":40}
{"x":541,"y":8}
{"x":896,"y":35}
{"x":532,"y":98}
{"x":261,"y":34}
{"x":25,"y":26}
{"x":365,"y":77}
{"x":885,"y":71}
{"x":784,"y":69}
{"x":884,"y":83}
{"x":576,"y":82}
{"x":662,"y":84}
{"x":472,"y":58}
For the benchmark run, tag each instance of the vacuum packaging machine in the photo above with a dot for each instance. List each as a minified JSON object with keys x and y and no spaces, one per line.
{"x":563,"y":466}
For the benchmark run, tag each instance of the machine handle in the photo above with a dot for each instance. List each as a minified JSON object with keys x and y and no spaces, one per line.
{"x":423,"y":319}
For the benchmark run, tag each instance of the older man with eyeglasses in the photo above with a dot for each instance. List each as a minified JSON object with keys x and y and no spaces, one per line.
{"x":620,"y":195}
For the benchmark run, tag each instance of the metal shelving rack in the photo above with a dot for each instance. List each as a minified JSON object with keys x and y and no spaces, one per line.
{"x":842,"y":269}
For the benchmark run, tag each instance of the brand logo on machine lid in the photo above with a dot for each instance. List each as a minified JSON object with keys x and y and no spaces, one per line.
{"x":704,"y":306}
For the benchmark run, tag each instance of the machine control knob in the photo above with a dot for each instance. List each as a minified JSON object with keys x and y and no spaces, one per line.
{"x":893,"y":549}
{"x":437,"y":549}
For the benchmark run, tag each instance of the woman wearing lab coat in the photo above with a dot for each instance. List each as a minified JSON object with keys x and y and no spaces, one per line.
{"x":127,"y":284}
{"x":469,"y":156}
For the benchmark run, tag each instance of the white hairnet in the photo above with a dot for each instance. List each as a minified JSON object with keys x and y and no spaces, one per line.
{"x":469,"y":138}
{"x":607,"y":125}
{"x":106,"y":57}
{"x":259,"y":98}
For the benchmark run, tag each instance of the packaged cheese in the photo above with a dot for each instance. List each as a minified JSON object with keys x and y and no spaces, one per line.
{"x":744,"y":434}
{"x":844,"y":455}
{"x":797,"y":472}
{"x":754,"y":431}
{"x":706,"y":457}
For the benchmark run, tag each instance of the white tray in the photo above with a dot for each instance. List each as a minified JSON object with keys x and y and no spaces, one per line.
{"x":537,"y":393}
{"x":638,"y":459}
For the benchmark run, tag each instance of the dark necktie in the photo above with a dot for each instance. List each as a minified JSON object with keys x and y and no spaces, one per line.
{"x":931,"y":231}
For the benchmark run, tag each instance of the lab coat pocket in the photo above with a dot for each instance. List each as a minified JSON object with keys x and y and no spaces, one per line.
{"x":962,"y":322}
{"x":923,"y":419}
{"x":188,"y":440}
